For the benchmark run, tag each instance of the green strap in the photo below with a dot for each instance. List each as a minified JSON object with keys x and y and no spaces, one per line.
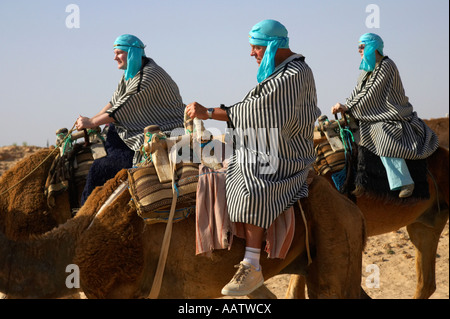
{"x":91,"y":131}
{"x":345,"y":137}
{"x":68,"y":144}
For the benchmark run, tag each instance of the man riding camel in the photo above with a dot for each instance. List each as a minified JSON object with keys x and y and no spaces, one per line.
{"x":281,"y":110}
{"x":146,"y":95}
{"x":389,"y":126}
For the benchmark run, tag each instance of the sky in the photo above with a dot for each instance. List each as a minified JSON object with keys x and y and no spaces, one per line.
{"x":57,"y":56}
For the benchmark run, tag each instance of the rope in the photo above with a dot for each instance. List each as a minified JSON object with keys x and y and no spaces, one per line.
{"x":147,"y":158}
{"x":42,"y":162}
{"x":307,"y":235}
{"x":347,"y":138}
{"x":97,"y":133}
{"x":157,"y":281}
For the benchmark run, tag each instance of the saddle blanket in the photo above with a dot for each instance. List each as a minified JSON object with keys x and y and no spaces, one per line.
{"x":214,"y":230}
{"x":371,"y":178}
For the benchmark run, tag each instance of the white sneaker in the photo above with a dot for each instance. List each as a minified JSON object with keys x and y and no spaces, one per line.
{"x":406,"y":191}
{"x":246,"y":280}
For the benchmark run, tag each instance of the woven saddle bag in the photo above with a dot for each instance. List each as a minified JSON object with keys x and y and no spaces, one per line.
{"x":328,"y":160}
{"x":153,"y":198}
{"x":330,"y":155}
{"x":151,"y":186}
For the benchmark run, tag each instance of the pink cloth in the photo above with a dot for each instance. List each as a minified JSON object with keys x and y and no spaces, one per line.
{"x":214,"y":230}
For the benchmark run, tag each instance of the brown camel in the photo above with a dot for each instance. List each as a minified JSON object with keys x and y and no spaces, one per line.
{"x":424,"y":221}
{"x":440,"y":127}
{"x":25,"y":212}
{"x":117,"y":253}
{"x":23,"y":209}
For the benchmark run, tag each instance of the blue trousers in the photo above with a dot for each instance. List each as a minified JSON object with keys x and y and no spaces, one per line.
{"x":397,"y":172}
{"x":119,"y":157}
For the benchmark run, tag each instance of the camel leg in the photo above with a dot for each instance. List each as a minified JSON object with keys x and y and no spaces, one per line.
{"x":424,"y":234}
{"x":296,"y":288}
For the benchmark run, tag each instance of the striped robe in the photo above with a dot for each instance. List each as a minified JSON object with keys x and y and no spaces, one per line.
{"x":273,"y":130}
{"x":150,"y":97}
{"x":388,"y":125}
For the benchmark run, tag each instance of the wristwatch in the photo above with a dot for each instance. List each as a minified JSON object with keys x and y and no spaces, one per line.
{"x":210,"y":112}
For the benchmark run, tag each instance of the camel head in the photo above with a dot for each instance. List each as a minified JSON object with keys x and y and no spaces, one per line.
{"x":23,"y":208}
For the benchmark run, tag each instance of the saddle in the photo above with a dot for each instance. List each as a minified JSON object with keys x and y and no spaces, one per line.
{"x":328,"y":160}
{"x":164,"y":173}
{"x":158,"y":200}
{"x":339,"y":153}
{"x":342,"y":137}
{"x":71,"y":166}
{"x":356,"y":171}
{"x":371,"y":179}
{"x":153,"y":199}
{"x":333,"y":130}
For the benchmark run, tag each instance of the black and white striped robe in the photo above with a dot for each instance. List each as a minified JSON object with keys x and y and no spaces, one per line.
{"x":150,"y":97}
{"x":388,"y":125}
{"x":273,"y":129}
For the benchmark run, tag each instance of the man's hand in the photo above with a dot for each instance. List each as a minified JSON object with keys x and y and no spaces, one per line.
{"x":83,"y":122}
{"x":339,"y":108}
{"x":196,"y":110}
{"x":99,"y":119}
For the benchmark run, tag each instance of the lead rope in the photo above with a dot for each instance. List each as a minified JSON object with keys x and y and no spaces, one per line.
{"x":157,"y":281}
{"x":306,"y":234}
{"x":42,"y":162}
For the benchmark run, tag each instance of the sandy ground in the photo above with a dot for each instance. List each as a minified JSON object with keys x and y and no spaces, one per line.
{"x":394,"y":258}
{"x":391,"y":255}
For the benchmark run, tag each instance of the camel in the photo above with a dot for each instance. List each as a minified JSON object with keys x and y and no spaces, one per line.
{"x":424,"y":221}
{"x":18,"y":217}
{"x":23,"y":209}
{"x":440,"y":127}
{"x":424,"y":224}
{"x":117,"y":253}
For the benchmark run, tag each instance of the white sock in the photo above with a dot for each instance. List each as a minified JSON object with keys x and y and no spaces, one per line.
{"x":252,"y":256}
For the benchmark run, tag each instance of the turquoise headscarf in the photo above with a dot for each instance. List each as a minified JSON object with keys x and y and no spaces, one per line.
{"x":135,"y":49}
{"x":372,"y":43}
{"x":273,"y":35}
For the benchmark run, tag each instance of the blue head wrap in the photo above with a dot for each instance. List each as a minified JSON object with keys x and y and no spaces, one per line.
{"x":372,"y":43}
{"x":135,"y":50}
{"x":273,"y":35}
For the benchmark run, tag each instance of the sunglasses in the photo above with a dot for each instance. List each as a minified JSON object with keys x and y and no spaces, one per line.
{"x":361,"y":47}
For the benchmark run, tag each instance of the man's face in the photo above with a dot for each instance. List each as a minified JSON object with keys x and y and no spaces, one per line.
{"x":361,"y":50}
{"x":121,"y":58}
{"x":258,"y":52}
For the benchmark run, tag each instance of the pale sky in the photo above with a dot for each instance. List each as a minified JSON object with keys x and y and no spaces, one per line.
{"x":51,"y":73}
